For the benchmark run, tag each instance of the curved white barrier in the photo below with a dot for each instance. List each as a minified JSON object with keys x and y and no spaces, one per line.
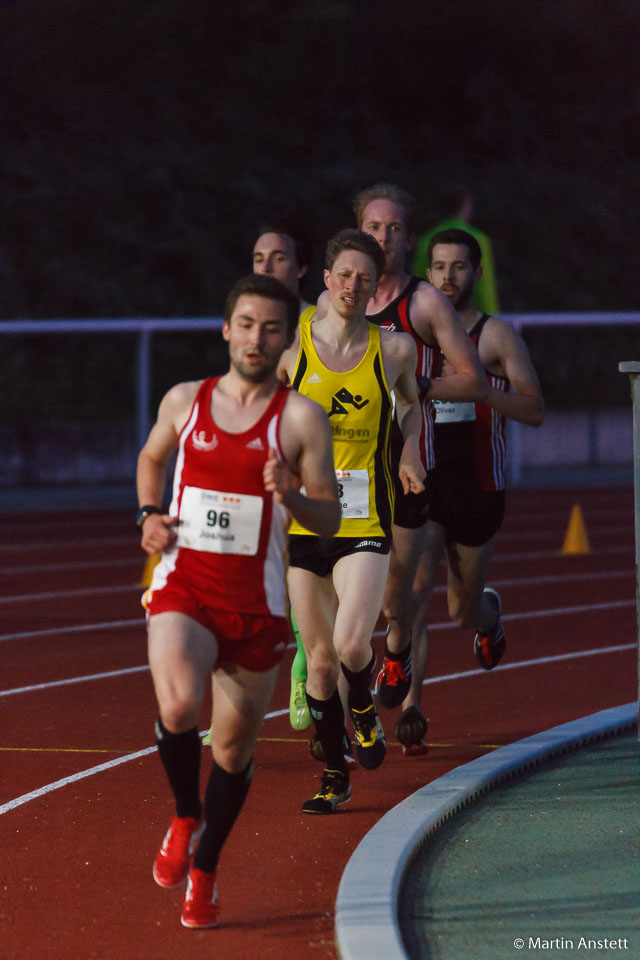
{"x":366,"y":908}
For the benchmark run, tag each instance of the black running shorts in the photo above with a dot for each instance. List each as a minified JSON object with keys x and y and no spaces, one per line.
{"x":319,"y":555}
{"x":469,"y":515}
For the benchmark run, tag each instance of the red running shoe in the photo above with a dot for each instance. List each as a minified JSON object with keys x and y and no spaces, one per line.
{"x":394,"y":680}
{"x":201,"y":908}
{"x":489,"y":647}
{"x":174,"y":859}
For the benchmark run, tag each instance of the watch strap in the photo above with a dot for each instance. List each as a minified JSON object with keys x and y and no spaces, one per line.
{"x":145,"y":512}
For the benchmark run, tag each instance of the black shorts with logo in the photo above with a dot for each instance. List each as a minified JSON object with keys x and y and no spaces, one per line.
{"x":319,"y":555}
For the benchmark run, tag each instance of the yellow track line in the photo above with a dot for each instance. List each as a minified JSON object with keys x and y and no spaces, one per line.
{"x":479,"y":746}
{"x":61,"y":750}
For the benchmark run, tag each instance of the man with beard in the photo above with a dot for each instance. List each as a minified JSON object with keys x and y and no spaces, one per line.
{"x":403,"y":303}
{"x":216,"y":604}
{"x":283,"y":250}
{"x":468,"y":489}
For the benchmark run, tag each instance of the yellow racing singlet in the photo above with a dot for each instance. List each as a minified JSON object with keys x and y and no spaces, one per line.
{"x":358,"y":404}
{"x":307,"y":314}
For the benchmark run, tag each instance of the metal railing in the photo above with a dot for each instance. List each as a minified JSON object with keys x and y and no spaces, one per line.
{"x":145,"y":327}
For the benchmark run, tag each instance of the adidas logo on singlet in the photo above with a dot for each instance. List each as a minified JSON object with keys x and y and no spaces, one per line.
{"x":255,"y":444}
{"x":314,"y":378}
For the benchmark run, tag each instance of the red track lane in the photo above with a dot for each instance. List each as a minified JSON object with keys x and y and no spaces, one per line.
{"x":77,"y":860}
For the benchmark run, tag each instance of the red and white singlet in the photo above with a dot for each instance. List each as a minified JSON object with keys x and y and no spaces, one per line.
{"x":471,"y":438}
{"x":231,"y":533}
{"x":395,"y":316}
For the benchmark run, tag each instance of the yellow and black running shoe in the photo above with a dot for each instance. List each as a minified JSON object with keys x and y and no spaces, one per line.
{"x":334,"y":790}
{"x":371,"y":745}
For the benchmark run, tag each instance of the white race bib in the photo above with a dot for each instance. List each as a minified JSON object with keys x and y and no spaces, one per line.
{"x":353,"y":490}
{"x":447,"y":411}
{"x":217,"y":522}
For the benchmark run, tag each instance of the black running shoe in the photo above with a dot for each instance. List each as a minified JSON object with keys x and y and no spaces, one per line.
{"x":489,"y":647}
{"x":410,"y":732}
{"x":371,"y":745}
{"x":334,"y":791}
{"x":317,"y":750}
{"x":394,"y":680}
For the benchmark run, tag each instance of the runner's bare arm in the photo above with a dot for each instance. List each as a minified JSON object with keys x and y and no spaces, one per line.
{"x":502,"y":350}
{"x":151,"y":476}
{"x":436,"y":321}
{"x":288,"y":359}
{"x":402,"y":348}
{"x":307,"y":443}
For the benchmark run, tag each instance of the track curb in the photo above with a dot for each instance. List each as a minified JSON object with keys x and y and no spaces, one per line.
{"x":366,"y":922}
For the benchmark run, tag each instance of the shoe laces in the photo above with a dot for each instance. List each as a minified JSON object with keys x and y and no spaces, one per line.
{"x":332,"y":784}
{"x":202,"y":886}
{"x":300,"y":695}
{"x":177,"y":841}
{"x":396,"y":671}
{"x":364,"y":723}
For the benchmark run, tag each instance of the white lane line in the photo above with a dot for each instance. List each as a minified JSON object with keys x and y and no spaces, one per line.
{"x":446,"y":625}
{"x":510,"y":582}
{"x":101,"y":767}
{"x":577,"y":654}
{"x":70,"y":680}
{"x":131,"y":561}
{"x":78,"y":628}
{"x":593,"y":528}
{"x":92,"y":542}
{"x":557,"y":554}
{"x":75,"y":565}
{"x":58,"y":784}
{"x":64,"y":594}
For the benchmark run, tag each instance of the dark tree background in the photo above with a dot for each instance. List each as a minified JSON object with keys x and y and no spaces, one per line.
{"x":145,"y":138}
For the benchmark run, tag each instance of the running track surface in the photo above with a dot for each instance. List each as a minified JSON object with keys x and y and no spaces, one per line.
{"x":77,"y":853}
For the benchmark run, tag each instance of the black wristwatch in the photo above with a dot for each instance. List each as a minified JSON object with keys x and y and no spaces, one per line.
{"x":145,"y":512}
{"x":425,"y":384}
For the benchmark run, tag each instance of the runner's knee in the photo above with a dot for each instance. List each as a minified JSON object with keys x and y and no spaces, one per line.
{"x":179,"y":713}
{"x":233,"y":754}
{"x":322,"y":665}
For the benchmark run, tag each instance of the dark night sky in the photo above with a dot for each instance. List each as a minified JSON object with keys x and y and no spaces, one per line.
{"x":146,"y":139}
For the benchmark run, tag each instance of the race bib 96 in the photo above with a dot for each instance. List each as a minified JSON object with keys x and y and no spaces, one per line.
{"x":218,"y":522}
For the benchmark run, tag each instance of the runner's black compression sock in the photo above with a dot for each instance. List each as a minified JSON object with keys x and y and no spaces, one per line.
{"x":359,"y":695}
{"x":328,"y":717}
{"x":402,"y":655}
{"x":180,"y":755}
{"x":223,"y":800}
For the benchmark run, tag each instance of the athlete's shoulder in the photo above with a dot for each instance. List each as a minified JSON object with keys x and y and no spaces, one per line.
{"x":399,"y":348}
{"x":302,"y":413}
{"x":176,"y":404}
{"x":182,"y":394}
{"x":395,"y":341}
{"x":498,"y":330}
{"x":308,"y":313}
{"x":426,"y":294}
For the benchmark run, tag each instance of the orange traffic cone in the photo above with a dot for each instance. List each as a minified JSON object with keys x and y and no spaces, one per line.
{"x":576,"y":540}
{"x":151,"y":563}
